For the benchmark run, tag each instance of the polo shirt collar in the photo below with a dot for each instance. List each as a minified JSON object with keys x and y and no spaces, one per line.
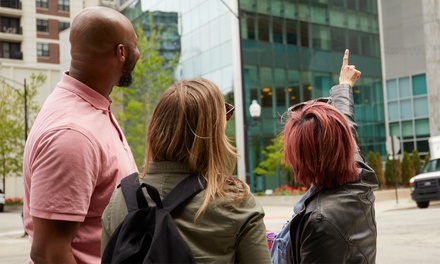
{"x":85,"y":92}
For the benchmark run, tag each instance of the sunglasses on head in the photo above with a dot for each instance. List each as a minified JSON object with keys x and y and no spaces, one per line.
{"x":299,"y":106}
{"x":229,"y":111}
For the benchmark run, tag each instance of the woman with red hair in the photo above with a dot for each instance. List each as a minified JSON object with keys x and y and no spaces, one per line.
{"x":336,"y":222}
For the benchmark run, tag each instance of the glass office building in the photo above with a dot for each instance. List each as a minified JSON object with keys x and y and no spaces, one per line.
{"x":292,"y":52}
{"x":279,"y":52}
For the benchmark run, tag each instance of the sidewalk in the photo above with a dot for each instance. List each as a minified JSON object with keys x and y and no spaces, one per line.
{"x":403,"y":194}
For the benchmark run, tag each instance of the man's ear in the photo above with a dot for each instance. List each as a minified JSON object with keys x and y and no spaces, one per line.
{"x":120,"y":52}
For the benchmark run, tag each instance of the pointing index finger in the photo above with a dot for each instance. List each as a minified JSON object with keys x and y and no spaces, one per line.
{"x":345,"y":59}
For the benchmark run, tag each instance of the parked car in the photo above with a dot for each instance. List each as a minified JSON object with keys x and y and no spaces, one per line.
{"x":2,"y":201}
{"x":425,"y":187}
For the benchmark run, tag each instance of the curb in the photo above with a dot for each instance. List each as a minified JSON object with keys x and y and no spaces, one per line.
{"x":290,"y":200}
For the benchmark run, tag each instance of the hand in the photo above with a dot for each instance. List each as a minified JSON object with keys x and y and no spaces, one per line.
{"x":348,"y":74}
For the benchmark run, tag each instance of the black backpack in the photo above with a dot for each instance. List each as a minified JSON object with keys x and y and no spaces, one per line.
{"x":148,"y":234}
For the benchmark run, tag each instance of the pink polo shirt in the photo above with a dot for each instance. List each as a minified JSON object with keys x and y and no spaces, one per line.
{"x":75,"y":156}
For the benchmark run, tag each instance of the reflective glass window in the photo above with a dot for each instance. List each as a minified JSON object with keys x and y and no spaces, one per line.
{"x":337,"y":18}
{"x":291,"y":32}
{"x":277,"y":30}
{"x":419,"y":84}
{"x":280,"y":86}
{"x":306,"y":86}
{"x":408,"y":146}
{"x":293,"y":87}
{"x":352,"y":20}
{"x":338,"y":39}
{"x":277,"y":7}
{"x":266,"y":86}
{"x":395,"y":129}
{"x":422,"y":127}
{"x":422,"y":145}
{"x":263,"y":28}
{"x":405,"y":109}
{"x":290,"y":9}
{"x":248,"y":26}
{"x":353,"y":42}
{"x":404,"y":87}
{"x":304,"y":12}
{"x":319,"y":14}
{"x":262,"y":6}
{"x":393,"y":111}
{"x":407,"y":129}
{"x":421,"y":107}
{"x":304,"y":34}
{"x":392,"y":92}
{"x":320,"y":37}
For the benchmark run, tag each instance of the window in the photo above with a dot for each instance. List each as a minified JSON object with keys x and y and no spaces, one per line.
{"x":10,"y":50}
{"x":42,"y":25}
{"x":404,"y":87}
{"x":419,"y":84}
{"x":9,"y":25}
{"x":42,"y":50}
{"x":62,"y":26}
{"x":392,"y":92}
{"x":277,"y":30}
{"x":63,"y":5}
{"x":291,"y":32}
{"x":304,"y":34}
{"x":42,"y":3}
{"x":263,"y":28}
{"x":320,"y":37}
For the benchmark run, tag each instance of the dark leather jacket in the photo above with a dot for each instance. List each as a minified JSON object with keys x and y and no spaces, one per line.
{"x":338,"y":225}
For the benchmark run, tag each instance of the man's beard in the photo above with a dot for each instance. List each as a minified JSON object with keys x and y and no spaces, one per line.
{"x":127,"y":70}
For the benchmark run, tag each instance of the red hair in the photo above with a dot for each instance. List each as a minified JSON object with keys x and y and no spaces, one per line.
{"x":319,"y":146}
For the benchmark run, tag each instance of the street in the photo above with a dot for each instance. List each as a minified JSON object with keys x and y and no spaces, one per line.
{"x":406,"y":234}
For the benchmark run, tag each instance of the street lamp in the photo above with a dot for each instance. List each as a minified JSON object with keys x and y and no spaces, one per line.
{"x":255,"y":112}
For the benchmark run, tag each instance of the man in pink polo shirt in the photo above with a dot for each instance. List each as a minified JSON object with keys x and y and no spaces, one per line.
{"x":76,"y":153}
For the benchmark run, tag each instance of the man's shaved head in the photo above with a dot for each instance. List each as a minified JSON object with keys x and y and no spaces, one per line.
{"x":96,"y":31}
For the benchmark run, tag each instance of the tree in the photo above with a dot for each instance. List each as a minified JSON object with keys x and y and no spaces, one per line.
{"x":12,"y":123}
{"x":427,"y":158}
{"x":379,"y":173}
{"x":152,"y":75}
{"x":407,"y":169}
{"x":274,"y":160}
{"x":389,"y":172}
{"x":417,"y":164}
{"x":375,"y":162}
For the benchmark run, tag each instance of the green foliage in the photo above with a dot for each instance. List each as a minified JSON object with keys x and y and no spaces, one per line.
{"x":427,"y":158}
{"x":12,"y":123}
{"x":417,"y":164}
{"x":374,"y":160}
{"x":407,"y":169}
{"x":273,"y":161}
{"x":389,"y":172}
{"x":152,"y":75}
{"x":380,"y":173}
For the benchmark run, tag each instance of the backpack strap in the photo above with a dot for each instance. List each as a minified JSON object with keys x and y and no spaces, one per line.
{"x":129,"y":186}
{"x":186,"y":189}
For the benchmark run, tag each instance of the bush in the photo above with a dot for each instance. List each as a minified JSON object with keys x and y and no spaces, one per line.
{"x":14,"y":201}
{"x":289,"y":190}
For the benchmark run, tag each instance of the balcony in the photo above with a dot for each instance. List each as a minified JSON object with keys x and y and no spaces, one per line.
{"x":14,"y":55}
{"x":16,"y":4}
{"x":11,"y":30}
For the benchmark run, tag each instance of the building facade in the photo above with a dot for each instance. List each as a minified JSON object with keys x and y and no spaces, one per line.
{"x":411,"y":73}
{"x":279,"y":53}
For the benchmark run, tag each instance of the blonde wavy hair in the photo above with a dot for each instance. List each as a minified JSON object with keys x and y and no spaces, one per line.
{"x":188,"y":125}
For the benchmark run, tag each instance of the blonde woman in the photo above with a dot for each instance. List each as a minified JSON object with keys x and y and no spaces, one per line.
{"x":186,"y":134}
